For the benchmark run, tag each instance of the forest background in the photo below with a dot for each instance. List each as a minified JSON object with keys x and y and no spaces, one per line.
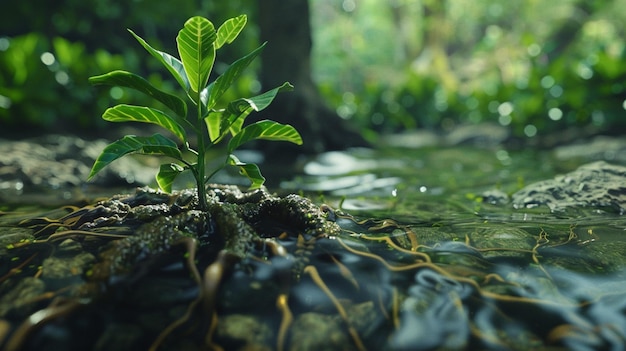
{"x":536,"y":67}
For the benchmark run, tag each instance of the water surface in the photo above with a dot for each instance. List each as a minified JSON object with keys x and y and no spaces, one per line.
{"x":432,"y":256}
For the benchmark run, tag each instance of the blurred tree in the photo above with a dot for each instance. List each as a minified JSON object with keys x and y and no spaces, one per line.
{"x":569,"y":30}
{"x":286,"y":27}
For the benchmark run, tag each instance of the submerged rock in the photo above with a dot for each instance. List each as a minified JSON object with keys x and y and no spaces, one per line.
{"x":21,"y":298}
{"x":316,"y":331}
{"x":66,"y":267}
{"x":502,"y":241}
{"x":249,"y":331}
{"x":598,"y":184}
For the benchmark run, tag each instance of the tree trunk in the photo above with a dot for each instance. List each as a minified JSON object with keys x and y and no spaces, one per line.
{"x":286,"y":27}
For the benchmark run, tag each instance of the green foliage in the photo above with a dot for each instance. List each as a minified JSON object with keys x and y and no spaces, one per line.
{"x":55,"y":97}
{"x":498,"y":53}
{"x":43,"y":83}
{"x":530,"y":66}
{"x":197,"y":43}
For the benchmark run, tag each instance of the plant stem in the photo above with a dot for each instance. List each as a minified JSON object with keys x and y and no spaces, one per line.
{"x":201,"y":158}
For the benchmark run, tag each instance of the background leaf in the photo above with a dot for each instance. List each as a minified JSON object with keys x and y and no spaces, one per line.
{"x":196,"y":50}
{"x":173,"y":65}
{"x":229,"y":30}
{"x":130,"y":113}
{"x":267,"y":130}
{"x":223,"y":82}
{"x":153,"y":145}
{"x":131,"y":80}
{"x":250,"y":170}
{"x":167,"y":173}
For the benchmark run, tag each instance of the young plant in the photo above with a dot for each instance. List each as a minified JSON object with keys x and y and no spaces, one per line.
{"x":197,"y":43}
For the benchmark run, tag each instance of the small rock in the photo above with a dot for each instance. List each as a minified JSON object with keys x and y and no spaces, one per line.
{"x":484,"y":134}
{"x":9,"y":236}
{"x":495,"y":197}
{"x":412,"y":140}
{"x":598,"y":184}
{"x":599,"y":148}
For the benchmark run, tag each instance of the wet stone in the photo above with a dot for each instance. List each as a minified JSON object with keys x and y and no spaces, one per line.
{"x":66,"y":267}
{"x":599,"y":185}
{"x":495,"y":197}
{"x":11,"y":235}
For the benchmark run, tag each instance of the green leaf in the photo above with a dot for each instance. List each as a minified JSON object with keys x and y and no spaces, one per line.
{"x":234,"y":122}
{"x":173,"y":65}
{"x":196,"y":50}
{"x":221,"y":121}
{"x":239,"y":109}
{"x":167,"y":174}
{"x":213,"y":122}
{"x":131,"y":80}
{"x":223,"y":82}
{"x":153,"y":145}
{"x":250,"y":170}
{"x":129,"y":113}
{"x":229,"y":30}
{"x":260,"y":102}
{"x":237,"y":123}
{"x":267,"y":130}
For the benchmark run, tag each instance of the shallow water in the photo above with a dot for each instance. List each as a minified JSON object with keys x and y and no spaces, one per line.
{"x":430,"y":258}
{"x":575,"y":272}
